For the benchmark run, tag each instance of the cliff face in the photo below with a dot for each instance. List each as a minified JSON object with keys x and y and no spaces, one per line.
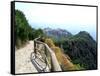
{"x":82,"y":50}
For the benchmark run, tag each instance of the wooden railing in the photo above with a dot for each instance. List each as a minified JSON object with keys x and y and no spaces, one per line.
{"x":46,"y":56}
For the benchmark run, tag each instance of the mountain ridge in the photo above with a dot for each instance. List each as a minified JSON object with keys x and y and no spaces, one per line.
{"x":56,"y":33}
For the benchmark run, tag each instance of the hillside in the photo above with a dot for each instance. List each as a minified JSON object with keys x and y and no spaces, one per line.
{"x":82,"y":50}
{"x":24,"y":32}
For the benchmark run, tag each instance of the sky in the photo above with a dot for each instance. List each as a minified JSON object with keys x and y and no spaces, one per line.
{"x":71,"y":18}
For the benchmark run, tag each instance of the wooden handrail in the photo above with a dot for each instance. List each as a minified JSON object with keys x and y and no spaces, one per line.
{"x":54,"y":62}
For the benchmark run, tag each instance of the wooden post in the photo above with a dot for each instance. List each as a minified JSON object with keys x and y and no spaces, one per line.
{"x":34,"y":46}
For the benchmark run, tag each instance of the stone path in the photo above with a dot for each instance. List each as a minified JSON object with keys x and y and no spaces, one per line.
{"x":23,"y":63}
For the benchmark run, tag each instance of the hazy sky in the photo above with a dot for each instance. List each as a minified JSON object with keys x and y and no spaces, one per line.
{"x":71,"y":18}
